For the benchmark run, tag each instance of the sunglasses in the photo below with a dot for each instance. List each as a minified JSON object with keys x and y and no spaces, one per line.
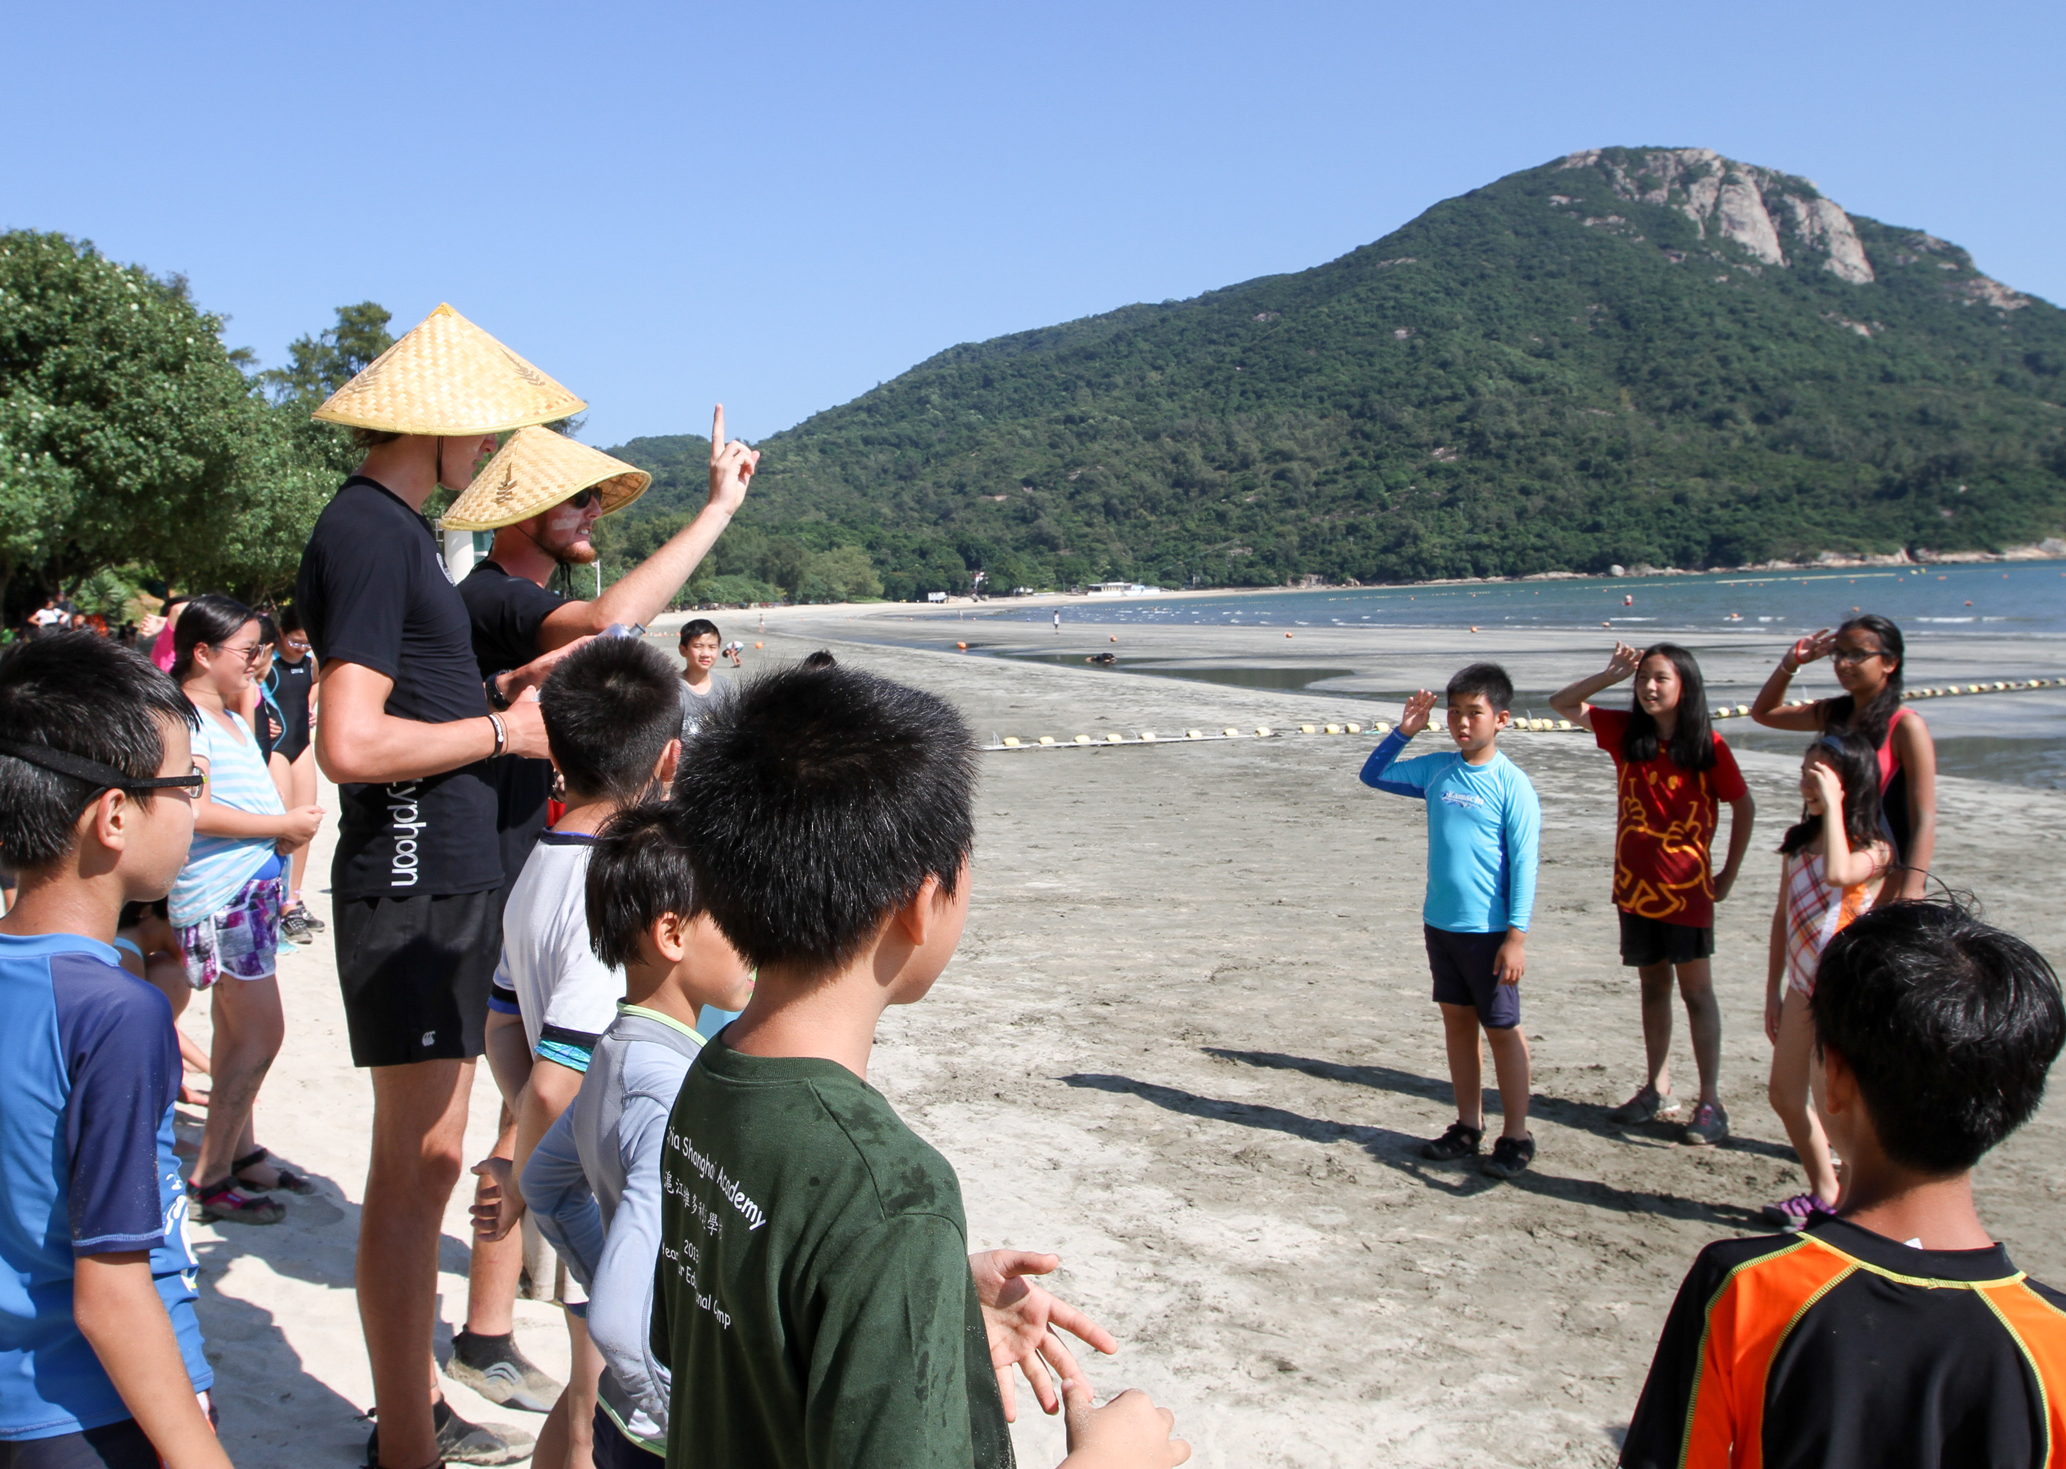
{"x":1855,"y":655}
{"x":588,"y":497}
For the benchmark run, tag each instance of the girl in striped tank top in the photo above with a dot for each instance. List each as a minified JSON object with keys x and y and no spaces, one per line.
{"x":225,"y":904}
{"x":1833,"y":857}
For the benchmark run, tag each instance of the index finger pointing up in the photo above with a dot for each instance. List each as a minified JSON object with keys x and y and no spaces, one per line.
{"x":717,"y":433}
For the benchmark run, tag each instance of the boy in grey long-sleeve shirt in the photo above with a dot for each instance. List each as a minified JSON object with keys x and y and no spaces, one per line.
{"x":593,"y":1184}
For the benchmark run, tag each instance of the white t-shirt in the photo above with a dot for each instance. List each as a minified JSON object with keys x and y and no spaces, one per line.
{"x":566,"y":995}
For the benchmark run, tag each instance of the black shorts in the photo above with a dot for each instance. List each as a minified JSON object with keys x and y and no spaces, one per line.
{"x":111,"y":1446}
{"x":1463,"y":965}
{"x":416,"y":973}
{"x":614,"y":1451}
{"x":1647,"y":941}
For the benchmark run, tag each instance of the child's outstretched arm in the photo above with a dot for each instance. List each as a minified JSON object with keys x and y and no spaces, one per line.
{"x":1569,"y":701}
{"x":1383,"y":770}
{"x":116,"y":1305}
{"x":1767,"y":708}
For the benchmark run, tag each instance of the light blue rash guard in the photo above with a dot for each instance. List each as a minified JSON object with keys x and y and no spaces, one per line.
{"x":1483,"y":824}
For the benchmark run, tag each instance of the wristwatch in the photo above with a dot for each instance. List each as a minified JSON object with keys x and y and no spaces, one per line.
{"x":492,"y":687}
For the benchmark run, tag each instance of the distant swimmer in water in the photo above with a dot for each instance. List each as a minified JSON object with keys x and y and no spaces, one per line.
{"x":1102,"y":658}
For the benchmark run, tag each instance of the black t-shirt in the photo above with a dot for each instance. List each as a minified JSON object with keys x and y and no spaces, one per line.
{"x":506,"y":612}
{"x":373,"y":591}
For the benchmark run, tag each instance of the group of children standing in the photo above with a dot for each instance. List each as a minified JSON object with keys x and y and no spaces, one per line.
{"x":1883,"y":1325}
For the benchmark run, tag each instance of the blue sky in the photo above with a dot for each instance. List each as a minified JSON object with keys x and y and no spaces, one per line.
{"x":781,"y":205}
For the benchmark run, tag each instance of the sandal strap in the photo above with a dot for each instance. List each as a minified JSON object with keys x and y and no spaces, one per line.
{"x":249,"y":1160}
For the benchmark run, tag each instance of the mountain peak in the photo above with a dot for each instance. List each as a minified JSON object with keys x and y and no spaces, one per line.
{"x":1760,"y":209}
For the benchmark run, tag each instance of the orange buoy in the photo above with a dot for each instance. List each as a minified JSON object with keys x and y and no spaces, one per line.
{"x":962,"y":646}
{"x":1474,"y":627}
{"x":1606,"y":624}
{"x":1115,"y":637}
{"x":756,"y":645}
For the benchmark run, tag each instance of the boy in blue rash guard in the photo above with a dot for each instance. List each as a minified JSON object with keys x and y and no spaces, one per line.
{"x":100,"y":1352}
{"x":1483,"y":821}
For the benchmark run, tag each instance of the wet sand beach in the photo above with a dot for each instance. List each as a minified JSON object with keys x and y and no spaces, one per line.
{"x":1187,"y":1044}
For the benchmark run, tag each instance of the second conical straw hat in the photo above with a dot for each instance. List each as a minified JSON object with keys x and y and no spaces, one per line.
{"x":448,"y":377}
{"x":536,"y":470}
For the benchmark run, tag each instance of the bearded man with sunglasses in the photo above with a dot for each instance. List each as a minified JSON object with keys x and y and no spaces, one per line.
{"x":517,"y":617}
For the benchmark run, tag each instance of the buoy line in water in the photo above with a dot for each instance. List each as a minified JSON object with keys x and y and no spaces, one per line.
{"x":1519,"y":726}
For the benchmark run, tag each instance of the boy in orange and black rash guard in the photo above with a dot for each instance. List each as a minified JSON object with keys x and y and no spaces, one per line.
{"x":1896,"y":1333}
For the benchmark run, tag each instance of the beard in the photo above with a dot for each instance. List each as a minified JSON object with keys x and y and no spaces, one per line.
{"x":580,"y":553}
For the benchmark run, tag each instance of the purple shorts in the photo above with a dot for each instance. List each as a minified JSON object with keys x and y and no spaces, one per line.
{"x":240,"y":940}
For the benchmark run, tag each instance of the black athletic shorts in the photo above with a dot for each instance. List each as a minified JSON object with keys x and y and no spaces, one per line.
{"x":1646,"y":941}
{"x":614,"y":1451}
{"x":416,"y":973}
{"x":1463,"y":964}
{"x":111,"y":1446}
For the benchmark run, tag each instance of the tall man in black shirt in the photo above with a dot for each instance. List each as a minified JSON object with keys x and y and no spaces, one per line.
{"x":407,"y":734}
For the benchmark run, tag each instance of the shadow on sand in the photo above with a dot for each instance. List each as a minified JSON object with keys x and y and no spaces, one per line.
{"x":1401,"y":1153}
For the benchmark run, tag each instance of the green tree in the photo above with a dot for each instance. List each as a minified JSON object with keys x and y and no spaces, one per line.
{"x":318,"y":366}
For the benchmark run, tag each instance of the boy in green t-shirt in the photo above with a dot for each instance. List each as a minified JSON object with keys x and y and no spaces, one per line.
{"x":815,"y":1300}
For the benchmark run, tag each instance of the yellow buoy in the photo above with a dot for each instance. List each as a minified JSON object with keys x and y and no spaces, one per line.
{"x":1047,"y":739}
{"x":1011,"y":740}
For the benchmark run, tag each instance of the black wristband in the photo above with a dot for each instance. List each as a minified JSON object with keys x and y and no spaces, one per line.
{"x":492,"y":686}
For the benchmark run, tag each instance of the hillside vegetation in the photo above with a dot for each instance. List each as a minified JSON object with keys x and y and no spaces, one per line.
{"x":1627,"y":355}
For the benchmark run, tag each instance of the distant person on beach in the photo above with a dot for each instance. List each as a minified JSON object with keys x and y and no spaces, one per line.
{"x":417,"y":879}
{"x":735,"y":651}
{"x":1058,"y":620}
{"x":168,"y":624}
{"x":701,"y":689}
{"x":1671,"y":773}
{"x":46,"y":619}
{"x":1897,"y":1331}
{"x":225,"y":907}
{"x":1831,"y":858}
{"x":1483,"y":824}
{"x":816,"y":1301}
{"x":290,"y":683}
{"x":593,"y":1183}
{"x":1868,"y":655}
{"x":101,"y":1356}
{"x":614,"y":723}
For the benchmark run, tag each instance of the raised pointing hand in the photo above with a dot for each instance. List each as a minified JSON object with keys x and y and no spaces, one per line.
{"x":731,"y":465}
{"x":1626,"y":660}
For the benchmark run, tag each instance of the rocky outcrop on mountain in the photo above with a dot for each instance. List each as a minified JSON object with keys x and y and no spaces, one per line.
{"x":1758,"y":208}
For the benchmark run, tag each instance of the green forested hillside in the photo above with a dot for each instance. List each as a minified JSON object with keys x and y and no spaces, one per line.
{"x":1631,"y":355}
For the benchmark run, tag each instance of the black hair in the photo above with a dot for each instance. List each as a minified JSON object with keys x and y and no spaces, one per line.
{"x":371,"y":438}
{"x":610,"y":708}
{"x":209,"y":619}
{"x":288,"y":618}
{"x":638,"y":871}
{"x":268,"y":630}
{"x":819,"y":802}
{"x":820,"y":659}
{"x":1948,"y":1024}
{"x":1871,"y":721}
{"x":700,"y":627}
{"x":1692,"y":737}
{"x":1857,"y":769}
{"x":1488,"y":681}
{"x":80,"y":694}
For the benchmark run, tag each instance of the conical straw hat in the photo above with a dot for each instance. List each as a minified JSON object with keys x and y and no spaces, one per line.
{"x":447,"y":376}
{"x":536,"y":470}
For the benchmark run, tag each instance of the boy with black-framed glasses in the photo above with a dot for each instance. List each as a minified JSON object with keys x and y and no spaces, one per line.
{"x":100,"y":1351}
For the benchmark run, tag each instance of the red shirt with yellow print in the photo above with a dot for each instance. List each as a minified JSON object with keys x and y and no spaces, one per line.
{"x":1664,"y":827}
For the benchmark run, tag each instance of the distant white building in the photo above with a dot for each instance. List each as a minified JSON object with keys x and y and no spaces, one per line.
{"x":1122,"y":589}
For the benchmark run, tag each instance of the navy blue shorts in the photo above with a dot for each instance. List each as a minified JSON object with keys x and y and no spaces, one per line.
{"x":1463,"y":965}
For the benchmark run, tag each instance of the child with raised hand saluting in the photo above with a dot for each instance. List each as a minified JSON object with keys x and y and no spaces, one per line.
{"x":1672,"y":772}
{"x":1832,"y":856}
{"x":1483,"y":823}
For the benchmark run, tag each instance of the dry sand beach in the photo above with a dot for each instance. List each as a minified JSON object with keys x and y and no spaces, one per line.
{"x":1187,"y":1045}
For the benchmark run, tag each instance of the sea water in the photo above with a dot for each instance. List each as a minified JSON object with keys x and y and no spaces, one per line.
{"x":2017,"y":609}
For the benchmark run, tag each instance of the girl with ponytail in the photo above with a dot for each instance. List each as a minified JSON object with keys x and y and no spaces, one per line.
{"x":1868,"y":656}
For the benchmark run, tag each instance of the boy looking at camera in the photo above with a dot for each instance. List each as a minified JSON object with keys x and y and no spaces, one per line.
{"x":593,"y":1184}
{"x":1483,"y":822}
{"x":100,"y":1351}
{"x":816,"y":1302}
{"x":1895,"y":1331}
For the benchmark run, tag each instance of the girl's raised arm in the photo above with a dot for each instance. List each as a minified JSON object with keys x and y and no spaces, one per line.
{"x":1766,"y":707}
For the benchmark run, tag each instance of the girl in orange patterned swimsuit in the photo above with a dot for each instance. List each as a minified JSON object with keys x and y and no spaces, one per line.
{"x":1830,"y":869}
